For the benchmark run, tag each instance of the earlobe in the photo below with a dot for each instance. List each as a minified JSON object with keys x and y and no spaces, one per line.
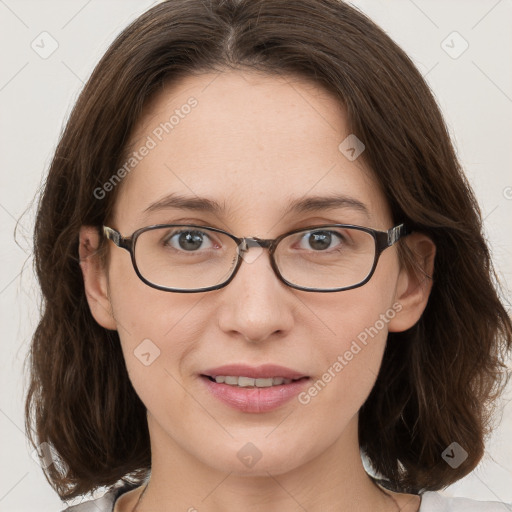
{"x":414,"y":282}
{"x":95,"y":277}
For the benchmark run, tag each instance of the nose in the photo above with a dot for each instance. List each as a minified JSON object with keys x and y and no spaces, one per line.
{"x":256,"y":305}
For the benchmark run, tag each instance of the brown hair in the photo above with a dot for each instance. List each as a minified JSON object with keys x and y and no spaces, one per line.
{"x":438,"y":380}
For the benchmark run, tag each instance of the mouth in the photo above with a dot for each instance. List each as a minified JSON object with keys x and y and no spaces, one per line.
{"x":242,"y":381}
{"x":252,"y":389}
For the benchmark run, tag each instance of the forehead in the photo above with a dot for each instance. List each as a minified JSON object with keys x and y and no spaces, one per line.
{"x":251,"y":142}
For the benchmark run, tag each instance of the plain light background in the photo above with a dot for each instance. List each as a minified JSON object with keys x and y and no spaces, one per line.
{"x":473,"y":87}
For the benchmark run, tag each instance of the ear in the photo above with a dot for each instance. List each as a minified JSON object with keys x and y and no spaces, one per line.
{"x":414,"y":282}
{"x":95,"y":277}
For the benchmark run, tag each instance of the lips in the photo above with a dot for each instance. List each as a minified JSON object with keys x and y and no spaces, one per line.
{"x":248,"y":388}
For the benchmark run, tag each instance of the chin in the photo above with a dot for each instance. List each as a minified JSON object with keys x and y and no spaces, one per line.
{"x":262,"y":468}
{"x":255,"y":458}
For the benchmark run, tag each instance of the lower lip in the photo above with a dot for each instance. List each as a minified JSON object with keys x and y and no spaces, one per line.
{"x":255,"y":399}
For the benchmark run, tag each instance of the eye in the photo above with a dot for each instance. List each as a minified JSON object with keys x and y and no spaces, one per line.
{"x":322,"y":240}
{"x":188,"y":240}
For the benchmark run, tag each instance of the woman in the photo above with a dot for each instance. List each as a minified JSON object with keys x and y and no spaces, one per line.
{"x":260,"y":259}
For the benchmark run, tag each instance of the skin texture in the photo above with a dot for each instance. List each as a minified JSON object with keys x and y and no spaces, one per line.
{"x":253,"y":142}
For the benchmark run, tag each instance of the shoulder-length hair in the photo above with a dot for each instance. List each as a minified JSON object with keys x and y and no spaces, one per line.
{"x":438,"y":380}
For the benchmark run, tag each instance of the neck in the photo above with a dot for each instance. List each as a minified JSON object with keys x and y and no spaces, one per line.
{"x":336,"y":476}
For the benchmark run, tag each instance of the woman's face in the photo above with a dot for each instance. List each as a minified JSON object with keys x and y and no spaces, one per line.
{"x":254,"y":144}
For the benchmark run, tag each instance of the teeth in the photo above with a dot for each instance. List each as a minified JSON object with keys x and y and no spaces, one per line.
{"x":245,"y":382}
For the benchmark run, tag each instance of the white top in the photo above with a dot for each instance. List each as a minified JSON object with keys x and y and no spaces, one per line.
{"x":435,"y":502}
{"x":430,"y":502}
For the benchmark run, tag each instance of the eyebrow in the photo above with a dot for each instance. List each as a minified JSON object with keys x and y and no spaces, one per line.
{"x":297,"y":206}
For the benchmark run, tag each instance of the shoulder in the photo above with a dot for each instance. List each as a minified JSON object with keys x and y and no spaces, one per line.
{"x":436,"y":502}
{"x":106,"y":502}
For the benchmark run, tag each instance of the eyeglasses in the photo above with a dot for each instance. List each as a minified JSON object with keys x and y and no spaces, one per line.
{"x":190,"y":258}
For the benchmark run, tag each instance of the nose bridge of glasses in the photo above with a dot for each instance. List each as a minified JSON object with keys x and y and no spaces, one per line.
{"x":248,"y":242}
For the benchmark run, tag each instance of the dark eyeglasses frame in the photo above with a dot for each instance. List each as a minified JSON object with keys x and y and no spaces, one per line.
{"x":383,"y":240}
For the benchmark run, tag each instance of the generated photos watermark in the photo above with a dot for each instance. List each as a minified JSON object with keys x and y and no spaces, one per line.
{"x":151,"y":142}
{"x":343,"y":359}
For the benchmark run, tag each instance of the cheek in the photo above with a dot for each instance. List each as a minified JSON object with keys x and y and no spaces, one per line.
{"x":149,"y":322}
{"x":352,"y":354}
{"x":361,"y":344}
{"x":140,"y":310}
{"x":157,"y":340}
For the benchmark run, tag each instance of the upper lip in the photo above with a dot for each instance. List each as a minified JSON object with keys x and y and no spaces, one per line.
{"x":255,"y":372}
